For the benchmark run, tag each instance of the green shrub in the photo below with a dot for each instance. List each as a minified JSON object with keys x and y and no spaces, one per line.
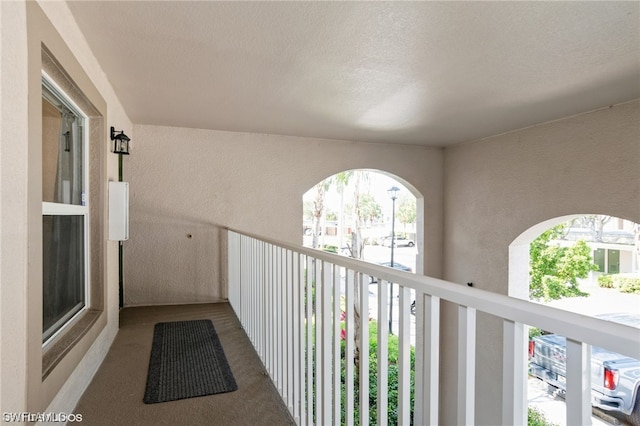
{"x":536,"y":418}
{"x":627,"y":284}
{"x":623,"y":283}
{"x":534,"y":332}
{"x":330,"y":249}
{"x":605,"y":281}
{"x":392,"y":387}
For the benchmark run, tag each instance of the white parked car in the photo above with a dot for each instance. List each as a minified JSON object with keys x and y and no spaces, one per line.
{"x":399,"y":242}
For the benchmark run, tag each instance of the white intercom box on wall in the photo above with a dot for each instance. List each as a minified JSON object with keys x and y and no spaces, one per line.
{"x":118,"y":211}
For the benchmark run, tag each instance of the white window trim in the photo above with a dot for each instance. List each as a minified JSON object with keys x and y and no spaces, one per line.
{"x":49,"y":208}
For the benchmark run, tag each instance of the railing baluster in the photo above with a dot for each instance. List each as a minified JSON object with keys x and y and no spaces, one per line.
{"x":282,"y":312}
{"x":427,"y":360}
{"x":350,"y":345}
{"x":302,"y":269}
{"x":404,"y":357}
{"x":250,"y":283}
{"x":288,"y":358}
{"x":337,"y":283}
{"x":309,"y":340}
{"x":466,"y":364}
{"x":278,"y":319}
{"x":578,"y":398}
{"x":514,"y":374}
{"x":291,"y":334}
{"x":383,"y":351}
{"x":231,"y":271}
{"x":298,"y":376}
{"x":260,"y":290}
{"x":364,"y":349}
{"x":319,"y":347}
{"x":327,"y":347}
{"x":251,"y":286}
{"x":273,"y":293}
{"x":245,"y":284}
{"x":270,"y":318}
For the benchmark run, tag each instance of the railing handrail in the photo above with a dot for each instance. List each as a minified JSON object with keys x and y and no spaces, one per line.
{"x":616,"y":337}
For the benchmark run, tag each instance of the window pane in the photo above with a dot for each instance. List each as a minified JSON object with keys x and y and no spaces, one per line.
{"x":62,"y":152}
{"x":614,"y":261}
{"x":63,"y":277}
{"x":598,"y":259}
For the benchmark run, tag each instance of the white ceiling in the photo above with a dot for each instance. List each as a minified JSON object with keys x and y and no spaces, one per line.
{"x":432,"y":73}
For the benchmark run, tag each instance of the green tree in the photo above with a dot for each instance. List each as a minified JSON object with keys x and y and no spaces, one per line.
{"x":318,"y":209}
{"x":406,"y":210}
{"x":555,"y":270}
{"x":369,"y":208}
{"x":341,"y":181}
{"x":331,"y":215}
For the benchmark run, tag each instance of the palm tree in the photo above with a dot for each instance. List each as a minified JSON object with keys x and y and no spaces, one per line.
{"x":318,"y":209}
{"x":341,"y":181}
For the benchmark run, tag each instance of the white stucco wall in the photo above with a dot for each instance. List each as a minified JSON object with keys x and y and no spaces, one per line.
{"x":24,"y":26}
{"x":497,"y":188}
{"x":188,"y":181}
{"x":13,"y":205}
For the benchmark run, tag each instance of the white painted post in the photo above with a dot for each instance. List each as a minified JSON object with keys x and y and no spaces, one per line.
{"x":350,"y":345}
{"x":309,"y":341}
{"x":466,"y":365}
{"x":270,"y":319}
{"x":514,"y":374}
{"x":383,"y":351}
{"x":364,"y":349}
{"x":578,"y":396}
{"x":326,"y":356}
{"x":404,"y":358}
{"x":297,"y":336}
{"x":278,"y":320}
{"x":289,"y":362}
{"x":319,"y":378}
{"x":262,"y":347}
{"x":336,"y":343}
{"x":427,"y":359}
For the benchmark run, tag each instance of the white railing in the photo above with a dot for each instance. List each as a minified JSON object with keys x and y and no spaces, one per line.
{"x":301,"y":309}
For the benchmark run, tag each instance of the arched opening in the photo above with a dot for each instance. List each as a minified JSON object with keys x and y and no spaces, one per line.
{"x":588,"y":264}
{"x":352,"y":213}
{"x":376,"y":217}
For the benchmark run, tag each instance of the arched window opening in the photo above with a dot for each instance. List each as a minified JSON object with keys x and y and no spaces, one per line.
{"x":588,"y":264}
{"x":352,"y":213}
{"x":375,"y":217}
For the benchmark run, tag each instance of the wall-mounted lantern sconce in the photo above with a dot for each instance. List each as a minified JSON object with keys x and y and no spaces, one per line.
{"x":120,"y":142}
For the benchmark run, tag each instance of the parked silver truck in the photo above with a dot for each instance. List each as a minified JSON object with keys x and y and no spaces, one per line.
{"x":615,"y":378}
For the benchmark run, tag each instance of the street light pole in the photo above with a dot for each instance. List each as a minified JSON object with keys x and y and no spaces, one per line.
{"x":393,"y":193}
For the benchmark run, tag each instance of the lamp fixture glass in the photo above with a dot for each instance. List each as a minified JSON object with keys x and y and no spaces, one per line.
{"x":393,"y":192}
{"x":120,"y":142}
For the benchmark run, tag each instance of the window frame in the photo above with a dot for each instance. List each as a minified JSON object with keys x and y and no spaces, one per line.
{"x":61,"y":209}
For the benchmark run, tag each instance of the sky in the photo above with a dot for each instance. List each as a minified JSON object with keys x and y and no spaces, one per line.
{"x":377,"y":186}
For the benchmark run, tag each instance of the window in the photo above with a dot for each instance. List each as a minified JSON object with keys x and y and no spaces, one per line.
{"x":65,"y":210}
{"x":598,"y":259}
{"x":614,"y":261}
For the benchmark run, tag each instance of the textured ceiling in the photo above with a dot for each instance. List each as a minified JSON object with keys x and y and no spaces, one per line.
{"x":431,"y":73}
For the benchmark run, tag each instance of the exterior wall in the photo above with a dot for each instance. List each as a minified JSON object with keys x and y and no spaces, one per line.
{"x":26,"y":26}
{"x":193,"y":182}
{"x":500,"y":187}
{"x":13,"y":206}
